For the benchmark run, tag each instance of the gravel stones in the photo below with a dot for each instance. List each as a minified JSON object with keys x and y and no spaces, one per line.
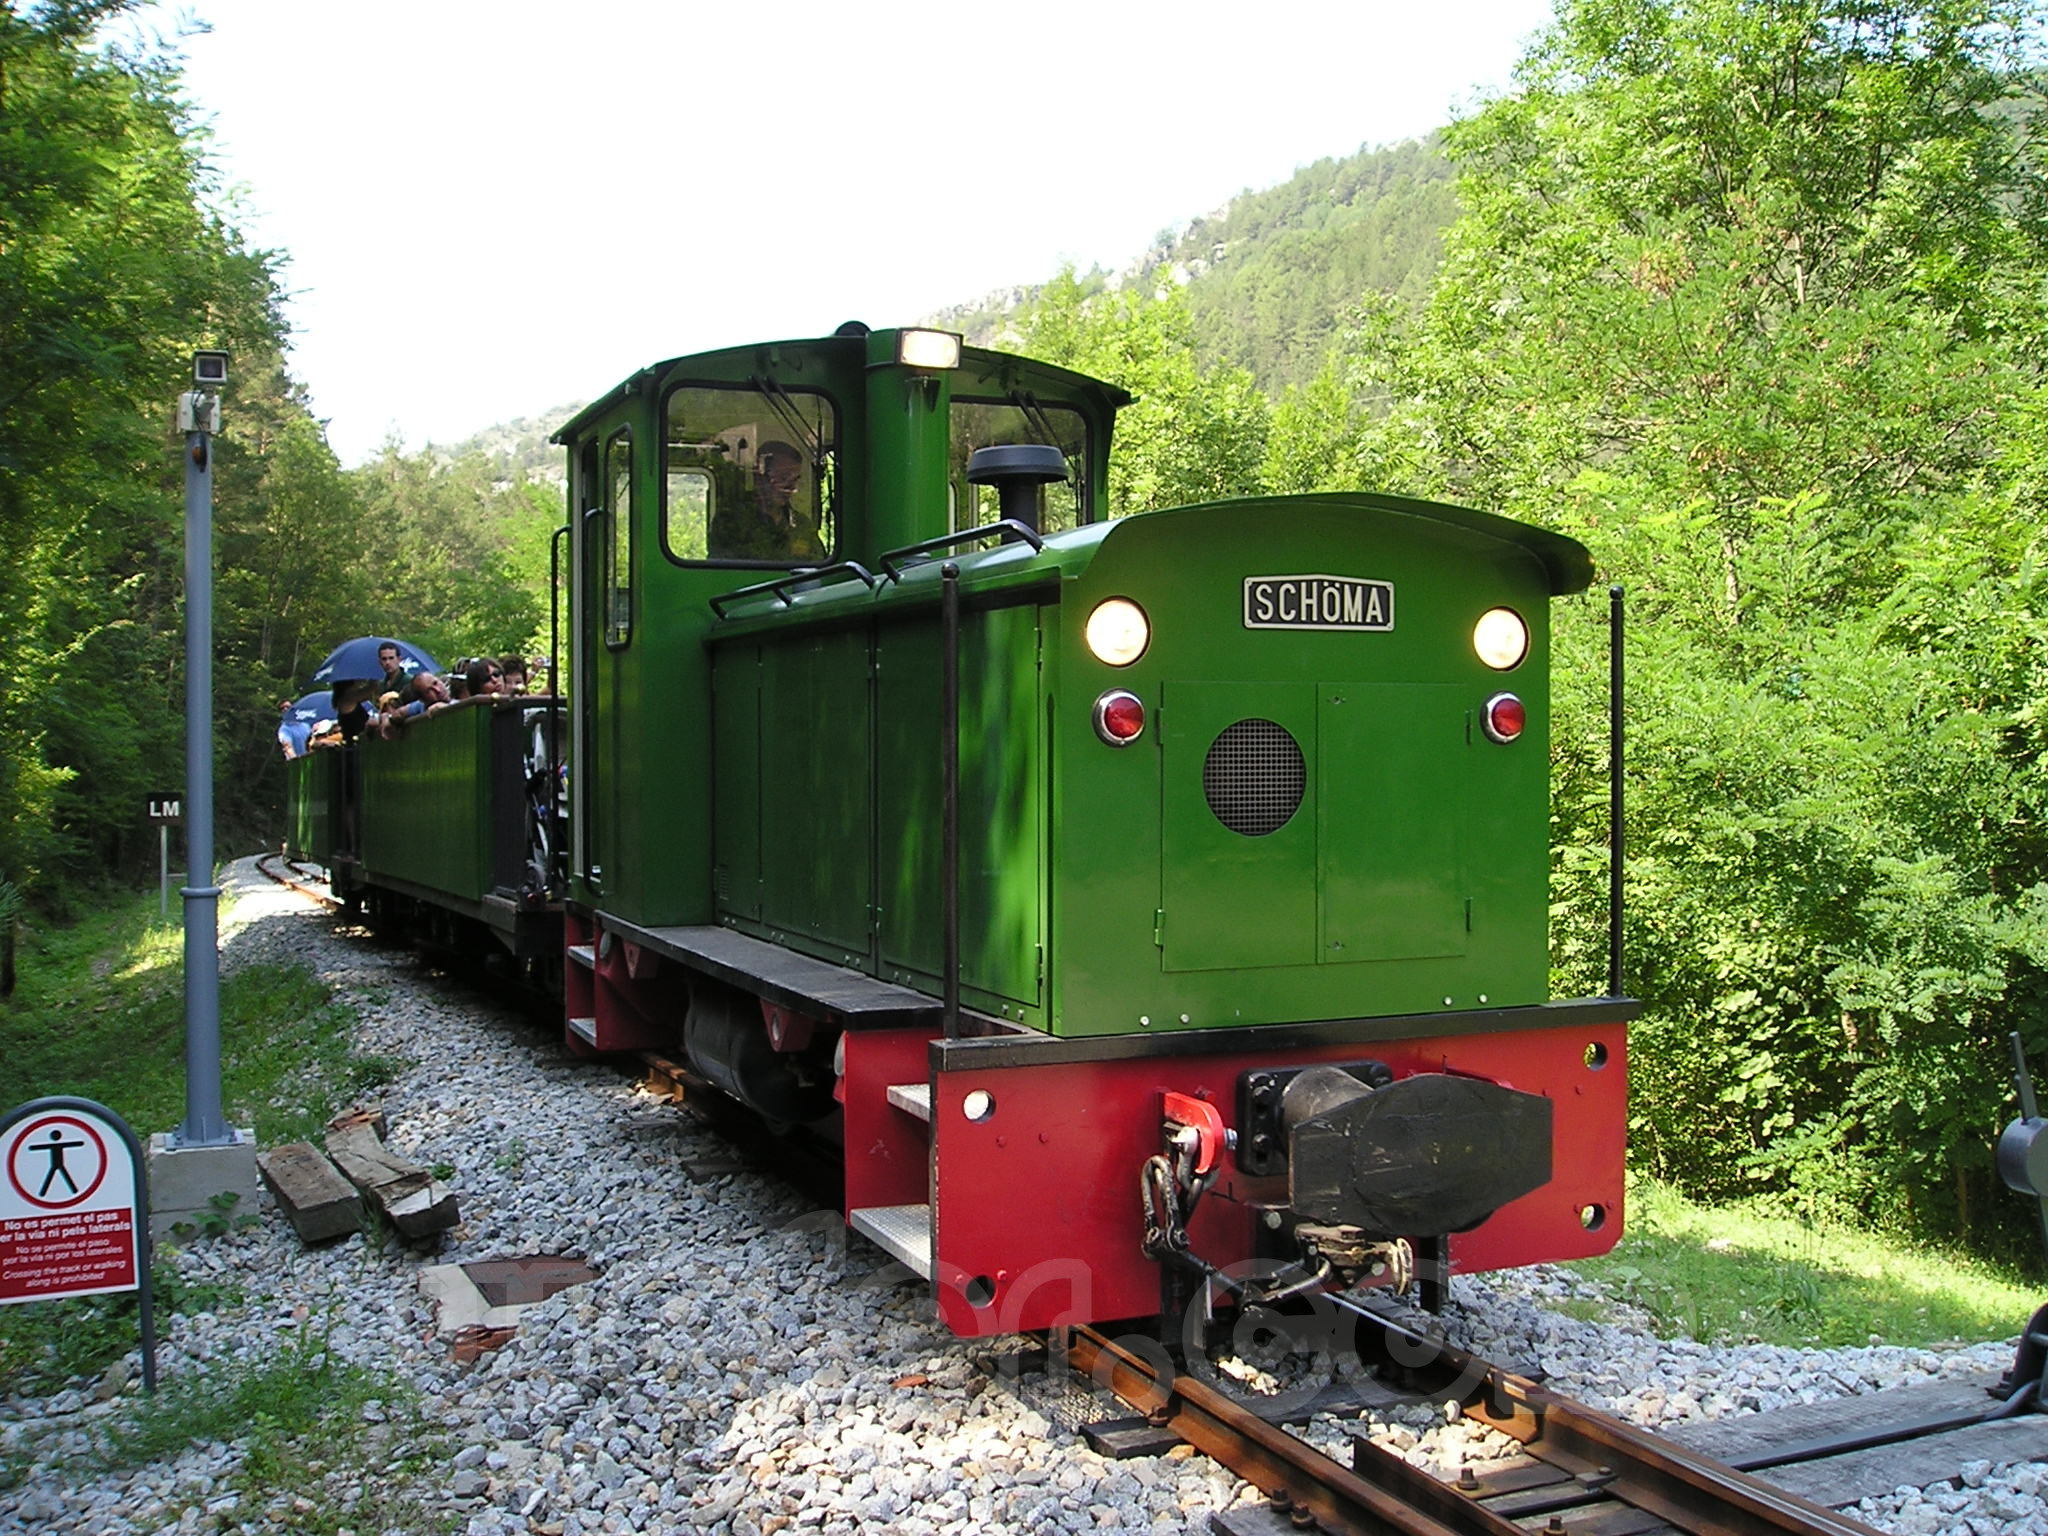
{"x":741,"y":1366}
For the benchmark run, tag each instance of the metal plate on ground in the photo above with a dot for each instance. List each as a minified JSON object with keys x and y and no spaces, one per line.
{"x":1129,"y":1439}
{"x":512,"y":1282}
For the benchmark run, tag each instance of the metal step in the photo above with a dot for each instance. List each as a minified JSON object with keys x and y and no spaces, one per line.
{"x":913,"y":1098}
{"x":584,"y":955}
{"x":585,"y":1029}
{"x":904,"y":1231}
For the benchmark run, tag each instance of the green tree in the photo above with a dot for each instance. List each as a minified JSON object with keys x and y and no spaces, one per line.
{"x":461,"y":558}
{"x":112,"y":267}
{"x":1191,"y":435}
{"x":1746,"y":295}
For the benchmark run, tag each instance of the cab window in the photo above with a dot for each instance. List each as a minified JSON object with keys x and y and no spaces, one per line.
{"x":618,"y":554}
{"x":1018,"y":419}
{"x":751,"y":476}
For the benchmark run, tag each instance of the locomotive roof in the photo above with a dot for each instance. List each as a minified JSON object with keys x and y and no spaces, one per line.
{"x":976,"y":361}
{"x":1568,"y":562}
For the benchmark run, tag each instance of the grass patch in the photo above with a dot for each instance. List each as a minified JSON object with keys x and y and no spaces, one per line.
{"x":1739,"y":1272}
{"x":294,"y":1417}
{"x":99,"y":1012}
{"x":48,"y":1345}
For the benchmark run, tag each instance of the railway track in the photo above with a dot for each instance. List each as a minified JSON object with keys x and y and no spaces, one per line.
{"x":275,"y":866}
{"x":1580,"y":1472}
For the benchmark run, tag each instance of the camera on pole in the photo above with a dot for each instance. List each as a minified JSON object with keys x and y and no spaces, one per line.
{"x":199,"y":409}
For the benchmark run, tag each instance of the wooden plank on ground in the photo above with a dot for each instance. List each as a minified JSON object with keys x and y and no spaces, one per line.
{"x":1842,"y":1480}
{"x":318,"y":1202}
{"x":1747,"y":1434}
{"x":412,"y":1199}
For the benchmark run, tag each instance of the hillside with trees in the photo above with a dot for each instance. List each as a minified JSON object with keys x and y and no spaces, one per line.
{"x":1273,"y":275}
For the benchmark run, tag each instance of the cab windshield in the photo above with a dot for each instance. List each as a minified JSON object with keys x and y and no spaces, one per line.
{"x":1019,"y":418}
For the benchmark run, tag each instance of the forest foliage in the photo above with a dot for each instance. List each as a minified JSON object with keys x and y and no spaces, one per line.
{"x":116,"y":261}
{"x":1748,"y":296}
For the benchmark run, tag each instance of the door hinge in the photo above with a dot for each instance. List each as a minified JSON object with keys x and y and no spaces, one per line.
{"x":1159,"y":927}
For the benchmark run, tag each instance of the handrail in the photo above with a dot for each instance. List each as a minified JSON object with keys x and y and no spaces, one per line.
{"x":558,"y":876}
{"x":793,"y":579}
{"x":1007,"y":526}
{"x":949,"y":793}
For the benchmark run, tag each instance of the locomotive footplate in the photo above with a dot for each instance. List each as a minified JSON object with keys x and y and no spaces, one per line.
{"x":1039,"y":1148}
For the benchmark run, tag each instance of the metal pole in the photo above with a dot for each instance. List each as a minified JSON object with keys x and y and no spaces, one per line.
{"x":2030,"y":1111}
{"x":205,"y":1125}
{"x":163,"y":869}
{"x":1615,"y":844}
{"x":949,"y":792}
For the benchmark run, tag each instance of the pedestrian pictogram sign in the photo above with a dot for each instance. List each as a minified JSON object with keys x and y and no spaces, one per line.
{"x":71,"y":1222}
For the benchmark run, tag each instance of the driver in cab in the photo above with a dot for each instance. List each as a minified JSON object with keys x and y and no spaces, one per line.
{"x":772,"y":526}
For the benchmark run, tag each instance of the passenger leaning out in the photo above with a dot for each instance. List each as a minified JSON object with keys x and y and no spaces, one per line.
{"x":484,"y":678}
{"x":429,"y":696}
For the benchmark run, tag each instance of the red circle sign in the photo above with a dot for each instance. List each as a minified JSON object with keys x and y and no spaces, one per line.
{"x":57,"y":1174}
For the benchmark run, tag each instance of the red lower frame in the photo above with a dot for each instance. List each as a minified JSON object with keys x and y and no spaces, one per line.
{"x":1038,"y":1209}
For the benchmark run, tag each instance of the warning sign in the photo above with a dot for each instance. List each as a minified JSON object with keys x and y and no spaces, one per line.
{"x":68,"y":1205}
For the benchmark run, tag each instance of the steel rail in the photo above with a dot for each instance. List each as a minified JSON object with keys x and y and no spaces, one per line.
{"x":1602,"y":1453}
{"x":292,"y":881}
{"x":1601,"y":1458}
{"x":1391,"y":1498}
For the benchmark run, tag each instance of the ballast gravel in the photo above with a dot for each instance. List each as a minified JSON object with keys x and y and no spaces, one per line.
{"x":740,"y":1365}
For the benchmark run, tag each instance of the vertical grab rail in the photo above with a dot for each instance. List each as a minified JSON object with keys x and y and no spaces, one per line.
{"x":1616,"y":846}
{"x":558,"y":850}
{"x":949,"y":791}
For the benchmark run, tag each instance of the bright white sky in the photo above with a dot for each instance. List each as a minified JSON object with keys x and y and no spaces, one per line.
{"x":492,"y":209}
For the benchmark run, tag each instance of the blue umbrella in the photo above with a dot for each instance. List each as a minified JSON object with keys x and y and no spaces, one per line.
{"x":313,"y":708}
{"x":355,"y":661}
{"x":297,"y":721}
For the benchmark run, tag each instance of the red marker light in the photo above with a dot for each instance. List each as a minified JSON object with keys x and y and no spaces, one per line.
{"x":1505,"y":717}
{"x":1119,"y":717}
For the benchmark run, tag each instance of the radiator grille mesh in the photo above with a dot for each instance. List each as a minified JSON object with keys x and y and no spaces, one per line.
{"x":1254,"y":777}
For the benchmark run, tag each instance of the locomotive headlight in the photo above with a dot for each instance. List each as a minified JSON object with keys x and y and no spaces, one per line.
{"x":928,"y":349}
{"x":1118,"y":632}
{"x":1501,"y":638}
